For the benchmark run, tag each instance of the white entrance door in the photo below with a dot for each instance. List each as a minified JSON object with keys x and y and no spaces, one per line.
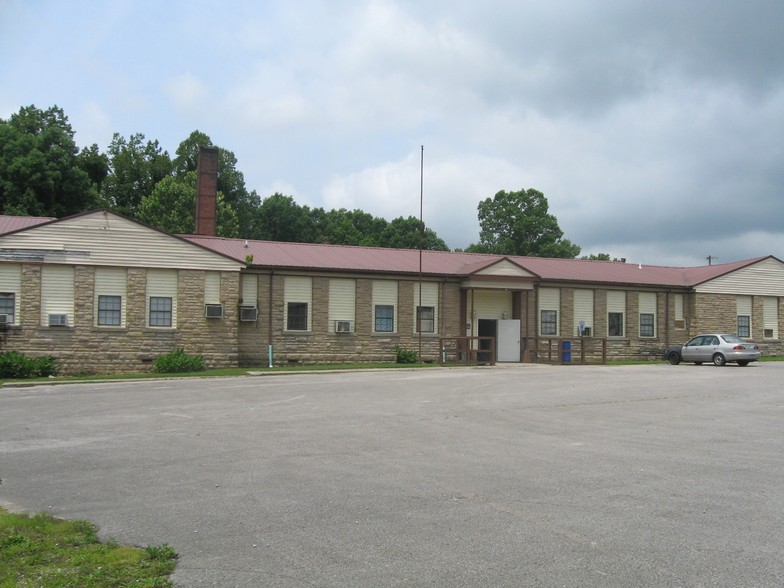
{"x":508,"y":340}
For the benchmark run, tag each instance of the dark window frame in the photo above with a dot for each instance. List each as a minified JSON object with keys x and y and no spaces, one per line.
{"x":161,"y":311}
{"x":109,"y":310}
{"x":297,"y":316}
{"x":5,"y":299}
{"x":647,"y":324}
{"x":548,"y":324}
{"x":426,"y":319}
{"x":615,"y":324}
{"x":744,"y":326}
{"x":384,"y":318}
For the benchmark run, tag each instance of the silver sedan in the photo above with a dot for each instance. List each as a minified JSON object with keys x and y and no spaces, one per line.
{"x":718,"y":348}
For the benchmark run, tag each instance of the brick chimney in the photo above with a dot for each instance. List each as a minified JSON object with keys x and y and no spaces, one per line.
{"x":207,"y":191}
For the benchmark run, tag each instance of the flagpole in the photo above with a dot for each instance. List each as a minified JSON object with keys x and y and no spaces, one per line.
{"x":421,"y":245}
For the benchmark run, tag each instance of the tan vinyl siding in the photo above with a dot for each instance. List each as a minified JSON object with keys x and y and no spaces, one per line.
{"x":110,"y":281}
{"x":765,"y":278}
{"x":342,"y":302}
{"x":679,"y":319}
{"x":212,"y":283}
{"x":384,"y":293}
{"x":583,"y":310}
{"x":616,"y":301}
{"x":429,"y":299}
{"x":111,"y":240}
{"x":250,"y":289}
{"x":488,"y":304}
{"x":163,"y":284}
{"x":11,"y":283}
{"x":298,"y":289}
{"x":57,"y":292}
{"x":678,"y":304}
{"x":770,"y":317}
{"x":550,"y":300}
{"x":504,"y":268}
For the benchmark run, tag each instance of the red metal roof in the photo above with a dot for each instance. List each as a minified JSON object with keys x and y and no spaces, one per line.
{"x":309,"y":256}
{"x":9,"y":224}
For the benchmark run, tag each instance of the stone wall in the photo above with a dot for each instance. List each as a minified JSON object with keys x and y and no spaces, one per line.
{"x":322,"y":346}
{"x":84,"y":348}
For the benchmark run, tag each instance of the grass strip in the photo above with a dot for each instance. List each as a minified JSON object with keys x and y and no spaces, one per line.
{"x":43,"y":551}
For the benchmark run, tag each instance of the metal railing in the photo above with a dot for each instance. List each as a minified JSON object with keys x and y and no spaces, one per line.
{"x":467,"y":351}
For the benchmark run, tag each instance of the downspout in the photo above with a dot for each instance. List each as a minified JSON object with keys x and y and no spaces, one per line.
{"x":269,"y":323}
{"x":666,"y":319}
{"x":536,"y":320}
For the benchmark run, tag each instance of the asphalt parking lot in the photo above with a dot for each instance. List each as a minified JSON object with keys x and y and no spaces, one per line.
{"x":511,"y":476}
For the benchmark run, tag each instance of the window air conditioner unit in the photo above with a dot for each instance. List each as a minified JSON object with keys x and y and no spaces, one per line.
{"x":5,"y":319}
{"x":342,"y":326}
{"x":586,"y":332}
{"x":680,"y":324}
{"x":249,"y":314}
{"x":213,"y":311}
{"x":58,"y":320}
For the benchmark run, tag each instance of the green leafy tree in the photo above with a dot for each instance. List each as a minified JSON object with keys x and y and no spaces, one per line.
{"x":519,"y":223}
{"x":598,"y":257}
{"x":171,"y":207}
{"x":280,"y":218}
{"x":348,"y":227}
{"x":41,"y":170}
{"x":96,"y":164}
{"x":135,"y":168}
{"x":231,"y":181}
{"x":404,"y":233}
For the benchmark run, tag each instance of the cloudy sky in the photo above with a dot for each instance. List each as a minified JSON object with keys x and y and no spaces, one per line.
{"x":654,"y":129}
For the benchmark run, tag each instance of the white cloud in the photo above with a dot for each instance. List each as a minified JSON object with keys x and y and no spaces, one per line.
{"x":187,"y":92}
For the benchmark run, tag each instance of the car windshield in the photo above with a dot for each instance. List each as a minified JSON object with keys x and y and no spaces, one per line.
{"x":732,"y":339}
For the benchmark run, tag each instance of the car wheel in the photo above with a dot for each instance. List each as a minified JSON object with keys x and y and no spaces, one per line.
{"x":719,"y":360}
{"x":743,"y":363}
{"x":675,"y":359}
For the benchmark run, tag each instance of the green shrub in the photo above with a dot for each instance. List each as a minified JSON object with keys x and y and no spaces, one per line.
{"x":405,"y":355}
{"x":15,"y":365}
{"x":177,"y":362}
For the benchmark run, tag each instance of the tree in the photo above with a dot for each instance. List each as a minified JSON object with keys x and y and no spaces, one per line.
{"x":601,"y":257}
{"x":135,"y":167}
{"x":404,"y":233}
{"x":171,"y":207}
{"x":41,"y":171}
{"x":279,"y":218}
{"x":518,"y":223}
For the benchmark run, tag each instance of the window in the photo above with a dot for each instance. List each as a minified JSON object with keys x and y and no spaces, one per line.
{"x":646,"y":325}
{"x":297,"y":300}
{"x":110,"y":296}
{"x":160,"y":311}
{"x":297,"y":316}
{"x":342,"y":304}
{"x":549,"y":322}
{"x":385,"y":318}
{"x":7,"y":305}
{"x":426,"y":319}
{"x":548,"y":306}
{"x":110,"y":310}
{"x":744,"y":325}
{"x":615,"y":324}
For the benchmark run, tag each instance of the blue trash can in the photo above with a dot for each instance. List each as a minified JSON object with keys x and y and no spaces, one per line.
{"x":566,"y":352}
